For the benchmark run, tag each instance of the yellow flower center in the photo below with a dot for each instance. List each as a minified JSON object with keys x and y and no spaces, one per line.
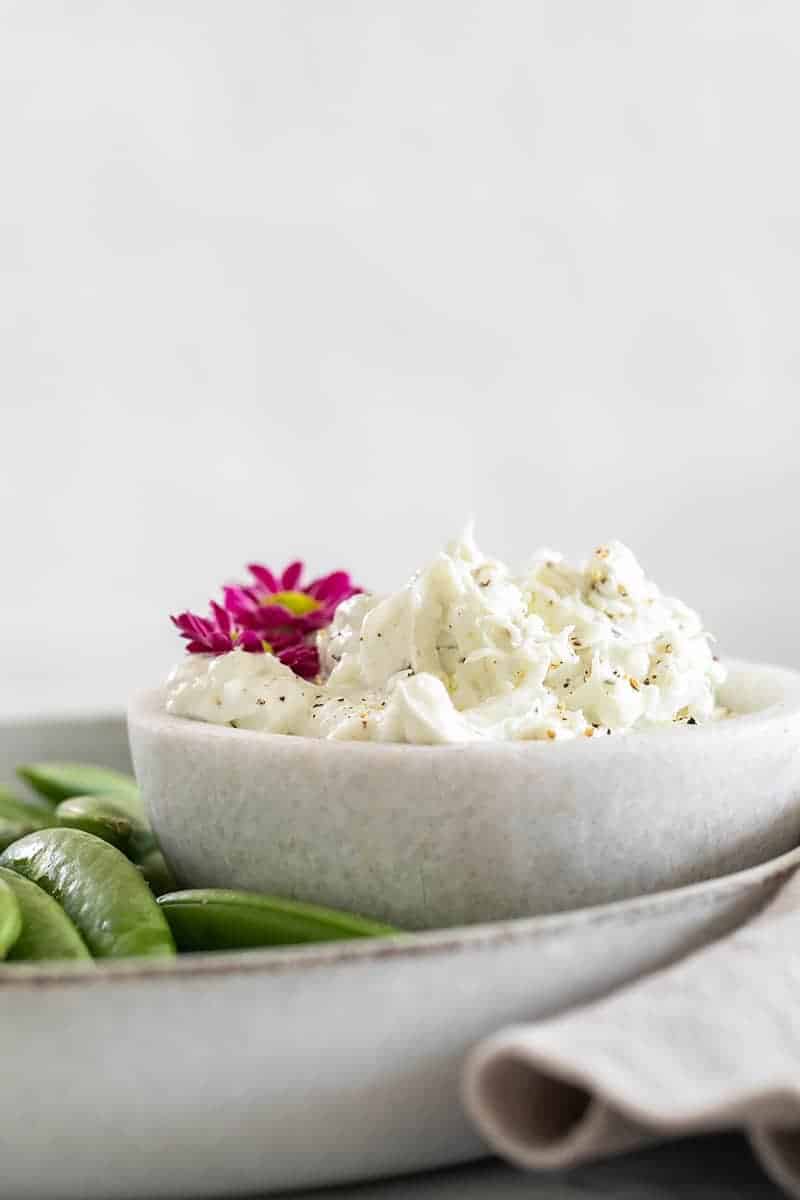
{"x":298,"y":603}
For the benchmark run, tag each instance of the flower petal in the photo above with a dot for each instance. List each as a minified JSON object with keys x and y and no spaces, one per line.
{"x":320,"y":587}
{"x":239,"y":599}
{"x":303,"y":660}
{"x":191,"y":625}
{"x":264,"y":576}
{"x":271,"y":616}
{"x":251,"y":642}
{"x":291,"y":577}
{"x":223,"y":618}
{"x":283,"y":639}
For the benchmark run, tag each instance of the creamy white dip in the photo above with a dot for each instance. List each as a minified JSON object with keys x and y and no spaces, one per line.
{"x":466,"y":651}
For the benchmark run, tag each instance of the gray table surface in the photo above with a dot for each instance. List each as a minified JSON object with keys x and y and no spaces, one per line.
{"x":709,"y":1168}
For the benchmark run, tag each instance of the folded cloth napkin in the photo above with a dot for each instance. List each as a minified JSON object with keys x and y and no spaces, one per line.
{"x":710,"y":1043}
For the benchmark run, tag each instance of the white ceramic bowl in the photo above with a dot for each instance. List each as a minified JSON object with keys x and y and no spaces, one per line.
{"x":426,"y":836}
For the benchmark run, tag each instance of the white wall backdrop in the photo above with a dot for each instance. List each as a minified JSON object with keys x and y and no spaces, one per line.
{"x":324,"y":278}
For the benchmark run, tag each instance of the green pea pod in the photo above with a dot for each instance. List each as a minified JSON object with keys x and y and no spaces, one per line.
{"x":217,"y":919}
{"x":12,"y":831}
{"x":130,"y":802}
{"x":112,"y":820}
{"x":102,"y":893}
{"x":10,"y":919}
{"x":58,"y":781}
{"x":34,"y":803}
{"x":143,"y":843}
{"x":155,"y":871}
{"x":18,"y":819}
{"x":12,"y":809}
{"x":98,"y":815}
{"x":47,"y":932}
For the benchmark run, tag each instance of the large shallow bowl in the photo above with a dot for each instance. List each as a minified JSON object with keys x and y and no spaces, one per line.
{"x":426,"y":836}
{"x":231,"y":1074}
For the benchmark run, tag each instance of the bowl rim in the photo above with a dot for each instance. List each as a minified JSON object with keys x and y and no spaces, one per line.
{"x":146,"y":709}
{"x":425,"y":943}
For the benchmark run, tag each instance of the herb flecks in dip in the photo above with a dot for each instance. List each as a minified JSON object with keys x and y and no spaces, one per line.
{"x":466,"y":651}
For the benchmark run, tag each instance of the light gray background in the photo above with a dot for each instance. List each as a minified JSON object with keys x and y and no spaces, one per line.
{"x":324,"y":278}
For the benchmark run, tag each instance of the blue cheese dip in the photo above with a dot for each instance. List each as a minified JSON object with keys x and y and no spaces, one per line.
{"x":467,"y":652}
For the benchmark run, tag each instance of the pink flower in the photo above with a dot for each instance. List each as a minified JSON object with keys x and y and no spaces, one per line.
{"x":216,"y":634}
{"x":271,"y":615}
{"x":282,"y":608}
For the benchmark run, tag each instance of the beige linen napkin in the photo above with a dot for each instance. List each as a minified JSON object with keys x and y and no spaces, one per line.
{"x":710,"y":1043}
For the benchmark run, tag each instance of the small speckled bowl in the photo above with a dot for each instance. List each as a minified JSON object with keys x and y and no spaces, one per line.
{"x":430,"y":836}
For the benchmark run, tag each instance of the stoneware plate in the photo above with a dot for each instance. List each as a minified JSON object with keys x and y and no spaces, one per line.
{"x":238,"y":1073}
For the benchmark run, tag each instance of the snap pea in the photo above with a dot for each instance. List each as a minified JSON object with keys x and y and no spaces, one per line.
{"x":12,"y":809}
{"x":10,"y":919}
{"x":18,"y":819}
{"x":102,"y":893}
{"x":34,"y":803}
{"x":156,"y":872}
{"x":47,"y":932}
{"x":129,"y":800}
{"x":58,"y":781}
{"x":114,"y":820}
{"x":219,"y":919}
{"x":143,"y":841}
{"x":12,"y":831}
{"x":107,"y":818}
{"x":98,"y":815}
